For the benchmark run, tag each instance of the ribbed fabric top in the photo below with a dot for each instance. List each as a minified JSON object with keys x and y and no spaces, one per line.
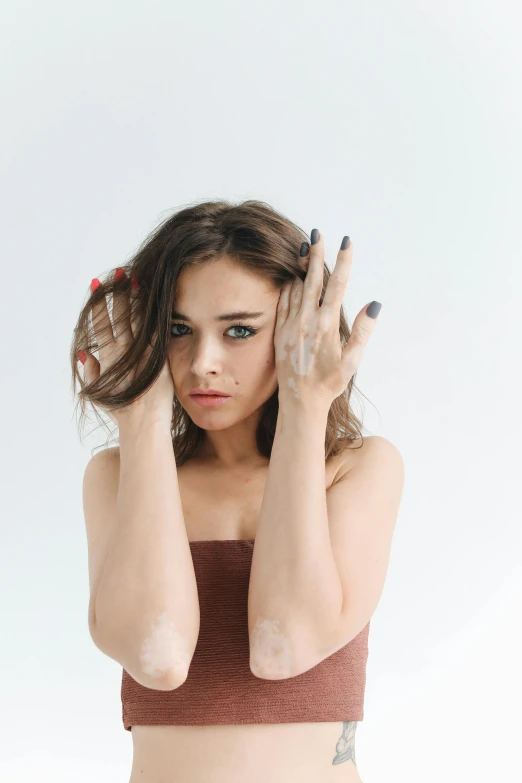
{"x":220,"y":688}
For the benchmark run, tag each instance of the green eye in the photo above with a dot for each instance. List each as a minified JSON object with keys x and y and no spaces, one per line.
{"x":249,"y":329}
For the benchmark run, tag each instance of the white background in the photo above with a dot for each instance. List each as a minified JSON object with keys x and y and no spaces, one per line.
{"x":398,"y":123}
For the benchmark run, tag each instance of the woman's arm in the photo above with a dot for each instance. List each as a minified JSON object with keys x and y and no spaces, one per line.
{"x":144,"y":609}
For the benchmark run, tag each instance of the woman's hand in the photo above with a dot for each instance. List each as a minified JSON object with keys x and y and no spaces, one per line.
{"x":312,"y":366}
{"x":159,"y":398}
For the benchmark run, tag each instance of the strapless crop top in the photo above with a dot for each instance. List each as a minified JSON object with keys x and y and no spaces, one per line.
{"x":220,"y":688}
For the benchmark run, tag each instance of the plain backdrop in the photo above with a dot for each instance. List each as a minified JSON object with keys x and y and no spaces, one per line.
{"x":398,"y":123}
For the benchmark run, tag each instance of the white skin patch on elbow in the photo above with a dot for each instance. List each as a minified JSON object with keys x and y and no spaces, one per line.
{"x":270,"y":656}
{"x":165,"y":650}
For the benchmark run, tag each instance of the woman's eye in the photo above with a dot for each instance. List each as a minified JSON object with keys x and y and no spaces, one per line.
{"x":244,"y":329}
{"x":176,"y":326}
{"x":250,"y":331}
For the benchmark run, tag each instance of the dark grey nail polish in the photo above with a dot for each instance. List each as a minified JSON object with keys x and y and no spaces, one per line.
{"x":314,"y":236}
{"x":373,"y":309}
{"x":304,"y":249}
{"x":345,"y":243}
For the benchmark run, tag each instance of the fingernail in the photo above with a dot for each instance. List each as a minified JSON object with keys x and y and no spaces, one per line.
{"x":345,"y":243}
{"x":82,"y":357}
{"x":119,"y":274}
{"x":304,"y":249}
{"x":95,"y":283}
{"x":135,"y":283}
{"x":373,"y":309}
{"x":314,"y":236}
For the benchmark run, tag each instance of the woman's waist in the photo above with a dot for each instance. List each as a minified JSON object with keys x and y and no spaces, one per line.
{"x":262,"y":751}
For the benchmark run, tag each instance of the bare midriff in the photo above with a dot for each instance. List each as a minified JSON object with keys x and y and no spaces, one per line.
{"x":258,"y":753}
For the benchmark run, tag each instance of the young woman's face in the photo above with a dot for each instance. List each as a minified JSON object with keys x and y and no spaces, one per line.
{"x":218,"y":354}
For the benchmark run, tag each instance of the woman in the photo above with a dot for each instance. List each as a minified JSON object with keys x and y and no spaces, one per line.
{"x":238,"y":544}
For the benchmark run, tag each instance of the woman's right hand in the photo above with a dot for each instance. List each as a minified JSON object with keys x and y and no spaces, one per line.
{"x":158,"y":399}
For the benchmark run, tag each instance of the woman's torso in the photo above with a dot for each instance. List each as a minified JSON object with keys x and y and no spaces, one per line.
{"x":279,"y":752}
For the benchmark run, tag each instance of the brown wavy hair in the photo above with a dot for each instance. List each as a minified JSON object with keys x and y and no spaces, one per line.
{"x":254,"y":234}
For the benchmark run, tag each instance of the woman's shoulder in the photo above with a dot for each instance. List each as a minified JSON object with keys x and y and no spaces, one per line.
{"x":111,"y":452}
{"x":103,"y":459}
{"x":362,"y":449}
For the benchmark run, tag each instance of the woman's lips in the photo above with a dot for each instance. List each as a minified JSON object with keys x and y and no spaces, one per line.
{"x":208,"y":400}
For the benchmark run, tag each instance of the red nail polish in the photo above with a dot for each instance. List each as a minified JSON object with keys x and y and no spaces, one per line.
{"x":119,"y":274}
{"x":95,"y":283}
{"x":82,"y":357}
{"x":135,"y":283}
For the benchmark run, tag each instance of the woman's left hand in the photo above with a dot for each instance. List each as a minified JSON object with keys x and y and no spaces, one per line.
{"x":312,"y":366}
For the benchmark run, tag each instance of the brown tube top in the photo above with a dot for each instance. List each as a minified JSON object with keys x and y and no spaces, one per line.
{"x":220,"y":688}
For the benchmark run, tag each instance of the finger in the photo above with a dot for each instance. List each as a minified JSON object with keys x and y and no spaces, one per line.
{"x":92,"y":369}
{"x":362,"y":330}
{"x":120,"y":309}
{"x":101,"y":324}
{"x":338,"y":280}
{"x":283,"y":304}
{"x":296,"y":297}
{"x":91,"y":366}
{"x":313,"y":283}
{"x":135,"y":320}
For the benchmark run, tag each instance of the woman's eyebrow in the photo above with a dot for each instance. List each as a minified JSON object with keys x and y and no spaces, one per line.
{"x":237,"y":316}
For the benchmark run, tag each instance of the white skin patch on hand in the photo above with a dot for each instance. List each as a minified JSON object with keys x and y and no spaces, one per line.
{"x":302,"y":358}
{"x":270,"y":656}
{"x":165,"y":650}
